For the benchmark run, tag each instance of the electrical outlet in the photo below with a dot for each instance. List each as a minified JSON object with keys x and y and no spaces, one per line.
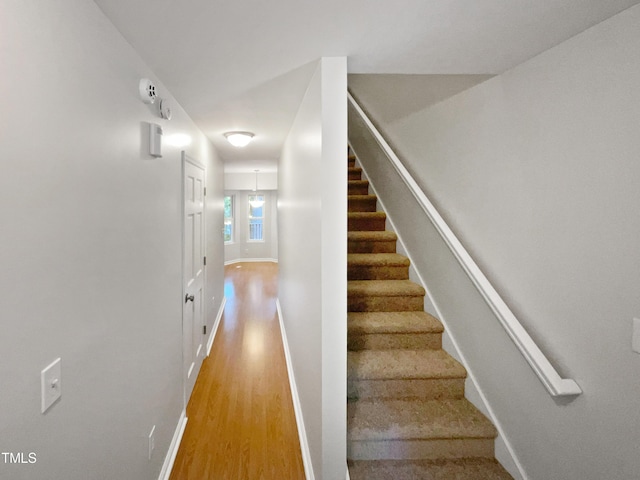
{"x":50,"y":384}
{"x":152,"y":441}
{"x":635,"y":337}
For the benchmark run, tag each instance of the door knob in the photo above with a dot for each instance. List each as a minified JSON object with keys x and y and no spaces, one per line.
{"x":188,"y":297}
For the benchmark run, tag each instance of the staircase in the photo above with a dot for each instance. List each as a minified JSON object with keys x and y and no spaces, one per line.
{"x":407,"y":415}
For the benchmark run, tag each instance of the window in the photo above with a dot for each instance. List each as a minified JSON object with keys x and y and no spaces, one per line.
{"x":228,"y":219}
{"x":256,"y":219}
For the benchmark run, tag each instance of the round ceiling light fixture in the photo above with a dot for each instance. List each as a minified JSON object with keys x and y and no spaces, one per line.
{"x":239,"y":139}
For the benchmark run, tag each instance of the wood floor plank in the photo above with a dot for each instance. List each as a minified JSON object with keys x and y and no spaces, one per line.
{"x":241,"y":419}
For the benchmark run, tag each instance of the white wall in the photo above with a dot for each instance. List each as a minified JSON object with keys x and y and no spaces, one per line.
{"x":312,"y":179}
{"x":241,"y":247}
{"x":537,"y":172}
{"x":247,"y":180}
{"x":91,"y":247}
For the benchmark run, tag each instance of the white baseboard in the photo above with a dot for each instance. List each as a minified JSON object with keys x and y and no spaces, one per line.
{"x":297,"y":407}
{"x":216,"y":324}
{"x":167,"y":466}
{"x":249,"y":260}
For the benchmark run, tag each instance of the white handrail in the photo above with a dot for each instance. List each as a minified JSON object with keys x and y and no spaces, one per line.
{"x":557,"y":386}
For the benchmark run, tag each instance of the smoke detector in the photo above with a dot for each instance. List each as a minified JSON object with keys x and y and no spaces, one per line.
{"x":165,"y":108}
{"x":147,"y":90}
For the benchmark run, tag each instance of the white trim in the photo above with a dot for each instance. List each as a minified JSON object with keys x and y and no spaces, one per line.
{"x":167,"y":466}
{"x":555,"y":385}
{"x":216,"y":324}
{"x":249,"y":217}
{"x":457,"y":352}
{"x":233,"y":219}
{"x":297,"y":407}
{"x":250,"y":260}
{"x":184,"y":160}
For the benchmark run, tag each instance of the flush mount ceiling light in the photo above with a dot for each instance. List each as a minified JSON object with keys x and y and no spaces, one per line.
{"x":239,"y":139}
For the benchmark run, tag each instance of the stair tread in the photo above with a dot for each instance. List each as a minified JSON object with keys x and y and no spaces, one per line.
{"x":393,"y":322}
{"x":368,"y":235}
{"x":377,"y":259}
{"x":388,"y":288}
{"x":403,"y":364}
{"x":376,"y":420}
{"x":358,"y":182}
{"x":362,"y":196}
{"x":449,"y":469}
{"x":367,"y":214}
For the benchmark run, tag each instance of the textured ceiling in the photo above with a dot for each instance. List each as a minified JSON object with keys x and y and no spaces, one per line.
{"x":245,"y":64}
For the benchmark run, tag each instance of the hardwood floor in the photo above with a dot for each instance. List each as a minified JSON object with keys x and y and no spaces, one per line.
{"x":241,"y":419}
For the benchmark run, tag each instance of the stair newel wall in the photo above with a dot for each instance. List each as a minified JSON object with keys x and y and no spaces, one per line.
{"x":312,"y":271}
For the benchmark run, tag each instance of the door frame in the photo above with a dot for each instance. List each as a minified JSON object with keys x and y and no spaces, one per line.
{"x":184,"y":160}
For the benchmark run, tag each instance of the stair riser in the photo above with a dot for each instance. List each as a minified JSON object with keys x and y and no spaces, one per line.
{"x":351,"y":163}
{"x":359,"y":224}
{"x":355,"y":174}
{"x":358,"y":189}
{"x":367,"y":272}
{"x":362,"y":205}
{"x":420,"y":449}
{"x":394,"y":341}
{"x":432,"y":388}
{"x":385,"y":304}
{"x":371,"y":247}
{"x":451,"y":469}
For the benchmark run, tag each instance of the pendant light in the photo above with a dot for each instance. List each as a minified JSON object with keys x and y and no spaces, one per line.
{"x":256,"y":202}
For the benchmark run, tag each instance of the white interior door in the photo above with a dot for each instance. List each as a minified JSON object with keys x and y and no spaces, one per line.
{"x":193,"y":272}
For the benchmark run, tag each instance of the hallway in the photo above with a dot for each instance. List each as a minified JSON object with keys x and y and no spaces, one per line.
{"x":241,"y":419}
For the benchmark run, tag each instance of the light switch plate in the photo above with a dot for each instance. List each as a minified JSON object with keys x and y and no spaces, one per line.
{"x":51,"y":384}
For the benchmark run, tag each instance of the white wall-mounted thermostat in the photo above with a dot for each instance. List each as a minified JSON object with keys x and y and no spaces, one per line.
{"x":155,"y":140}
{"x":147,"y":91}
{"x":165,"y":109}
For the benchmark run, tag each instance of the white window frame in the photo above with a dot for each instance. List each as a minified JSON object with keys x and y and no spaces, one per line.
{"x":249,"y":217}
{"x":233,"y":220}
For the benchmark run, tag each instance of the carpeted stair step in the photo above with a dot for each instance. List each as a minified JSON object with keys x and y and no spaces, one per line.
{"x":384,"y":296}
{"x":371,"y":242}
{"x":393,"y":330}
{"x":359,"y":221}
{"x":417,"y":429}
{"x":362,"y":203}
{"x":358,"y":187}
{"x":377,"y":266}
{"x":407,"y":415}
{"x":453,"y":469}
{"x":355,"y":173}
{"x":403,"y":374}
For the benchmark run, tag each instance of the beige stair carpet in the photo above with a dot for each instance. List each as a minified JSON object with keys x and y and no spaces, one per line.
{"x":407,"y":415}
